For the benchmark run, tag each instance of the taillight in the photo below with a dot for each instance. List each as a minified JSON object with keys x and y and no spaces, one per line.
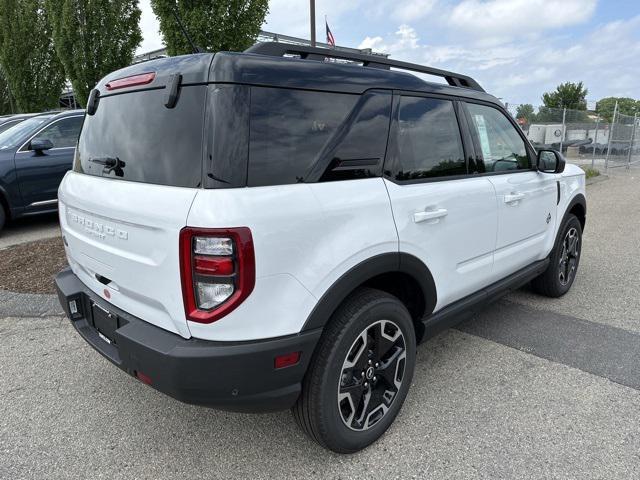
{"x":132,"y":81}
{"x":218,"y":271}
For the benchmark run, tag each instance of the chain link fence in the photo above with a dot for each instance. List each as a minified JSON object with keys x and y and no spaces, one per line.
{"x":583,"y":136}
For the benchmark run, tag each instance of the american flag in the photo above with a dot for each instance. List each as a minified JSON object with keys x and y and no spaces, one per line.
{"x":330,"y":40}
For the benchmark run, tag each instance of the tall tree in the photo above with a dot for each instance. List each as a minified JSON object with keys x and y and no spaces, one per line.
{"x":526,"y":112}
{"x":93,"y":38}
{"x":567,"y":95}
{"x":27,"y":56}
{"x":6,"y":102}
{"x":626,"y":106}
{"x":213,"y":25}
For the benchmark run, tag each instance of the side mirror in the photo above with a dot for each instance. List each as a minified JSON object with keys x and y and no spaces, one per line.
{"x":40,"y":144}
{"x":550,"y":161}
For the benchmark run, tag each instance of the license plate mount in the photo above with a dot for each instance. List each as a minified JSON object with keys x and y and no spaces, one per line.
{"x":105,"y":322}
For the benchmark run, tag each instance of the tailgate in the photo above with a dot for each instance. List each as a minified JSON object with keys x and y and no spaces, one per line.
{"x":122,"y":242}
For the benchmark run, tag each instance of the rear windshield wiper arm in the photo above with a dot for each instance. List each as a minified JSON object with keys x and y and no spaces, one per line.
{"x":111,"y":164}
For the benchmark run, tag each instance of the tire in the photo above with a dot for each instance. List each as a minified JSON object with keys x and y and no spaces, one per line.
{"x":3,"y":217}
{"x":370,"y":328}
{"x":561,"y":272}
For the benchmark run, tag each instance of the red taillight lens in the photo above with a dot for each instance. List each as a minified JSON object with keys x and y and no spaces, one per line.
{"x":213,"y":265}
{"x":217,"y":267}
{"x":132,"y":81}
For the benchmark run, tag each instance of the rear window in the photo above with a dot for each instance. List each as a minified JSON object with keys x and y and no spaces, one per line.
{"x":289,"y":129}
{"x":153,"y":144}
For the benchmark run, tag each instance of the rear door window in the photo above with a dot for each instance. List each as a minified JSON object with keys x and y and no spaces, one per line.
{"x":288,"y":130}
{"x":428,"y":140}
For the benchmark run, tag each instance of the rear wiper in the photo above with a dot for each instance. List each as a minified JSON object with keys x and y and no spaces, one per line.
{"x":107,"y":161}
{"x":111,"y":164}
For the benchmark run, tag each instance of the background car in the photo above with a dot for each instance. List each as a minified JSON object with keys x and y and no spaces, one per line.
{"x":34,"y":156}
{"x":8,"y":121}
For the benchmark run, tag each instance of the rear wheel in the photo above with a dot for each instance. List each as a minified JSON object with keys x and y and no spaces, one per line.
{"x":360,"y":373}
{"x":561,"y":272}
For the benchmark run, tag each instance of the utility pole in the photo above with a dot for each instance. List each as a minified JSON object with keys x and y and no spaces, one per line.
{"x":312,"y":12}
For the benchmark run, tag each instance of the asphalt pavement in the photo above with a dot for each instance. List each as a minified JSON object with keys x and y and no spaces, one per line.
{"x":530,"y":388}
{"x":28,"y":229}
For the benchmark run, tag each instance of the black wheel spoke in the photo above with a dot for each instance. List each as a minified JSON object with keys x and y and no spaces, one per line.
{"x":387,"y":369}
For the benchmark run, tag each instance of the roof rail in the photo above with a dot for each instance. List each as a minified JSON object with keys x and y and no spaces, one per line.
{"x":278,"y":49}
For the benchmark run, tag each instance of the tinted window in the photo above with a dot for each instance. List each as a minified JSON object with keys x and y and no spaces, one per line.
{"x":18,"y":133}
{"x":157,"y":144}
{"x":288,"y":130}
{"x":428,"y":142}
{"x":501,"y":146}
{"x":8,"y":125}
{"x":360,"y":147}
{"x":63,"y":133}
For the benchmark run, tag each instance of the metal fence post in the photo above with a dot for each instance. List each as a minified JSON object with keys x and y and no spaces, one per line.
{"x":611,"y":130}
{"x":633,"y":136}
{"x":595,"y":138}
{"x":564,"y":115}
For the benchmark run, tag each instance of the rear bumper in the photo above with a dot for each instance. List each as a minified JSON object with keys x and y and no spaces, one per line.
{"x":238,"y":376}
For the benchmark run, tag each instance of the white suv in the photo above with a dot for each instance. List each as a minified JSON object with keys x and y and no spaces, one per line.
{"x":266,"y":230}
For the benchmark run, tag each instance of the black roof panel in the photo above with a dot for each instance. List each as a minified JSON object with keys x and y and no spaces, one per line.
{"x":256,"y":69}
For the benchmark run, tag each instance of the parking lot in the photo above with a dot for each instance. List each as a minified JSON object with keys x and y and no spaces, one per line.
{"x":532,"y":387}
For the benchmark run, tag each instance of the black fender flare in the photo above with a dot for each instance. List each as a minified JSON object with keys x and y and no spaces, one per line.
{"x":366,"y":270}
{"x":576,"y":200}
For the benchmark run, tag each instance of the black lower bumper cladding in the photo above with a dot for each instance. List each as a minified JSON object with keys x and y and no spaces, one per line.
{"x":239,"y":376}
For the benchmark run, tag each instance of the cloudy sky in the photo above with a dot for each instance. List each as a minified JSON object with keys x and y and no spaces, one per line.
{"x":516,"y":49}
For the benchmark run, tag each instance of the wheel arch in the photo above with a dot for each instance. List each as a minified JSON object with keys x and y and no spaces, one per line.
{"x":400,"y":274}
{"x":577,"y":206}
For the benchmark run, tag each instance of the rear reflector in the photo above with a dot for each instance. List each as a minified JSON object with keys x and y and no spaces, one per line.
{"x":287,"y":360}
{"x":132,"y":81}
{"x":143,"y":377}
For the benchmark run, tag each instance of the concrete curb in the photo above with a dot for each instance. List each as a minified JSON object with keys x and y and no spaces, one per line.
{"x":14,"y":304}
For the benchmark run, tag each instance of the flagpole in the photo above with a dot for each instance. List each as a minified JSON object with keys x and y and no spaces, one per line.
{"x":312,"y":11}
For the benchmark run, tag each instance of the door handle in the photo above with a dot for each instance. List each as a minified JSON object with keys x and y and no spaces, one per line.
{"x":514,"y":197}
{"x":430,"y":215}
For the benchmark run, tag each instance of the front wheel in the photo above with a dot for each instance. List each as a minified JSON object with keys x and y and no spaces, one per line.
{"x":360,"y":373}
{"x":565,"y":257}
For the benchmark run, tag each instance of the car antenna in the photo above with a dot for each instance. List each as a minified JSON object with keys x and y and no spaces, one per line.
{"x":194,"y":49}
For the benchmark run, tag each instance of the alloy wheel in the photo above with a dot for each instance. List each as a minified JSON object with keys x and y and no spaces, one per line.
{"x":569,"y":256}
{"x":371,"y":375}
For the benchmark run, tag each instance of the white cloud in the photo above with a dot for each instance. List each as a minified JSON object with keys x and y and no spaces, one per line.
{"x":374,"y":43}
{"x":412,"y":10}
{"x":495,"y":17}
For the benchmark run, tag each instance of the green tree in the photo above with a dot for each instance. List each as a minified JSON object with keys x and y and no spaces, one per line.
{"x":526,"y":112}
{"x":213,"y":25}
{"x":31,"y":67}
{"x":567,"y":95}
{"x":626,"y":106}
{"x":6,"y":102}
{"x":93,"y":38}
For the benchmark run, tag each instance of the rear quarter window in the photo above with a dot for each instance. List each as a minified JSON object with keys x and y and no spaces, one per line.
{"x":288,"y":130}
